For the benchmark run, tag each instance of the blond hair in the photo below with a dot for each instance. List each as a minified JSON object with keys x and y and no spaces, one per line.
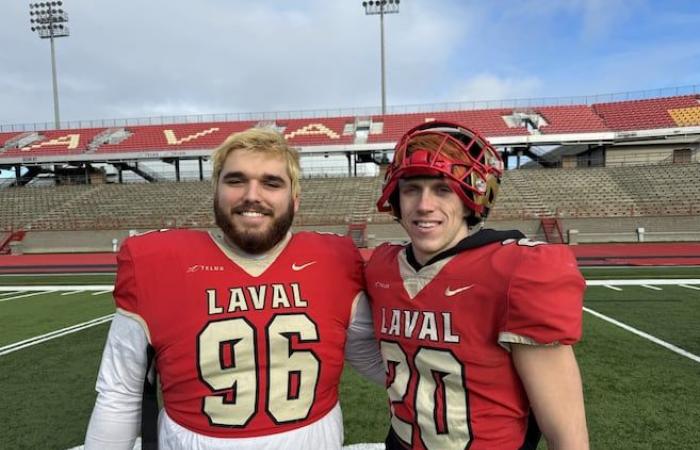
{"x":259,"y":140}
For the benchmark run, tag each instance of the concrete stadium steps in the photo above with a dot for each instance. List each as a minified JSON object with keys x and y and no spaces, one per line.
{"x":20,"y":206}
{"x":325,"y":201}
{"x":600,"y":192}
{"x":335,"y":200}
{"x":526,"y":195}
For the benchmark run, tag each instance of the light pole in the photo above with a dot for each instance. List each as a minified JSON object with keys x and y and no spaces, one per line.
{"x":381,"y":7}
{"x":50,"y":21}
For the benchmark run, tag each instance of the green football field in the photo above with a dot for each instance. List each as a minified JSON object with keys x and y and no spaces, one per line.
{"x":639,"y":360}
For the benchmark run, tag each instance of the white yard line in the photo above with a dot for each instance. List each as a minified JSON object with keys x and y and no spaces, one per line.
{"x":644,"y":335}
{"x":611,"y":287}
{"x":24,"y":295}
{"x":53,"y":335}
{"x":29,"y":291}
{"x":687,"y":286}
{"x":653,"y":288}
{"x":59,"y":288}
{"x":102,"y":292}
{"x":655,"y":282}
{"x":103,"y":289}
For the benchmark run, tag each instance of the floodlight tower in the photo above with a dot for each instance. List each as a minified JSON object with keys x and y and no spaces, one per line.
{"x":381,"y":7}
{"x":50,"y":21}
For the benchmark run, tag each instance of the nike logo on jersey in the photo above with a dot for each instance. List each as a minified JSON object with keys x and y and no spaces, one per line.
{"x":301,"y":266}
{"x":450,"y":292}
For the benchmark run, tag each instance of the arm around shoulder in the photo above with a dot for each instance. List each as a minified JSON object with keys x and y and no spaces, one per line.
{"x":552,"y":381}
{"x":361,"y":347}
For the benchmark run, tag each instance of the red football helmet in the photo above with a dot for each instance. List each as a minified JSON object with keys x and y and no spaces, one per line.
{"x":474,"y":173}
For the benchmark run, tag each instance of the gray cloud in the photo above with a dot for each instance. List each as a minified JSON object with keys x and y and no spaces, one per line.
{"x":134,"y":59}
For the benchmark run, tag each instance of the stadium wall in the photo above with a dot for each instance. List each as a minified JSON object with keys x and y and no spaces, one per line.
{"x":588,"y":231}
{"x":624,"y":155}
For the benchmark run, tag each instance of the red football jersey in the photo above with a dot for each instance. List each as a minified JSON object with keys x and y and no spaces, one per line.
{"x":243,"y":347}
{"x":444,"y":332}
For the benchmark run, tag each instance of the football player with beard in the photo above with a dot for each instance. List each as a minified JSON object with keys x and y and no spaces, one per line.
{"x":475,"y":325}
{"x":247,"y":328}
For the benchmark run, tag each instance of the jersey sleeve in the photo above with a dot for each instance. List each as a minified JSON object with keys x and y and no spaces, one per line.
{"x":126,"y":289}
{"x":345,"y":260}
{"x":358,"y":265}
{"x":544,"y":299}
{"x":125,"y":295}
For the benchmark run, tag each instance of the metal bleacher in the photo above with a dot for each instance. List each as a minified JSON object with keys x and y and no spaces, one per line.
{"x":664,"y":189}
{"x":526,"y":194}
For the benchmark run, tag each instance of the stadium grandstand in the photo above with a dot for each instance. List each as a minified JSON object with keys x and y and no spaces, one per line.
{"x":618,"y":169}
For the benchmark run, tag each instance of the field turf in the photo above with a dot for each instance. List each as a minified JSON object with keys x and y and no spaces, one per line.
{"x":639,"y":394}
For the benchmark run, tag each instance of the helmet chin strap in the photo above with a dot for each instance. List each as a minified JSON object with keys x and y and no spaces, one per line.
{"x":468,"y":202}
{"x":474,"y":228}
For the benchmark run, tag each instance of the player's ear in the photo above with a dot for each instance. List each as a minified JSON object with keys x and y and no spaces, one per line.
{"x":296,"y":201}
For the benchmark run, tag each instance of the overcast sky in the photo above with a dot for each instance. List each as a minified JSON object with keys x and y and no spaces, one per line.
{"x":132,"y":58}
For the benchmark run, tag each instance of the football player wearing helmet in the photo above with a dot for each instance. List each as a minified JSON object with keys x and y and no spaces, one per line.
{"x":475,"y":325}
{"x":248,"y":327}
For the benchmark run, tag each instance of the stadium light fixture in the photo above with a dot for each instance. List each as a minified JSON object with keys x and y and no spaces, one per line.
{"x":381,"y":7}
{"x":49,"y":21}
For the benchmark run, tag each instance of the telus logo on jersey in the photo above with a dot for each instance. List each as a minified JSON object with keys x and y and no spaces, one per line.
{"x":422,"y":325}
{"x":275,"y":296}
{"x":204,"y":268}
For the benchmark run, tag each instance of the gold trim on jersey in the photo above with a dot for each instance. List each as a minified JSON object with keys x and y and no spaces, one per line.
{"x":505,"y":338}
{"x":413,"y":281}
{"x":139,"y":319}
{"x":252,"y":265}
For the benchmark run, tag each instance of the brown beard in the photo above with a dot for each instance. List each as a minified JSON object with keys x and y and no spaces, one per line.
{"x":253,"y":242}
